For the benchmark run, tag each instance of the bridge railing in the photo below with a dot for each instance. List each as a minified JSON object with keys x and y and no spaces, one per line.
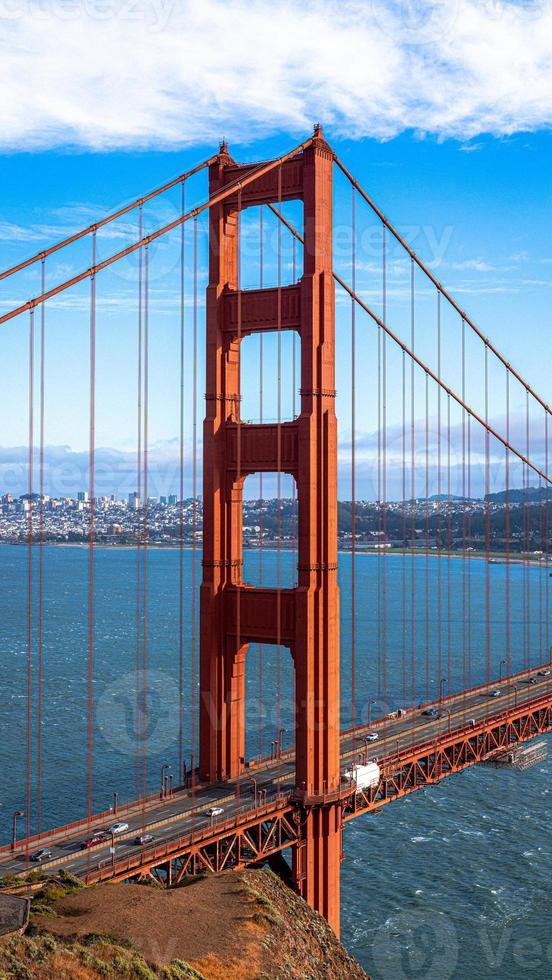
{"x":154,"y":855}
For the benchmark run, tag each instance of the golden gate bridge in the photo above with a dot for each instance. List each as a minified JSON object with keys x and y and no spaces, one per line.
{"x":230,"y":809}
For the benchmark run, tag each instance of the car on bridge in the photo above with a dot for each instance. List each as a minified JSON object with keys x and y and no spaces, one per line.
{"x":44,"y":854}
{"x":432,"y":713}
{"x":533,"y":680}
{"x":143,"y":839}
{"x":545,"y":672}
{"x":371,"y":737}
{"x":495,"y":694}
{"x":98,"y":838}
{"x":118,"y":828}
{"x":214,"y":811}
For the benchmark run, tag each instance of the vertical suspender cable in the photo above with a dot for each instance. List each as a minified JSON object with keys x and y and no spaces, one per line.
{"x":261,"y":416}
{"x":138,"y":511}
{"x":427,"y":532}
{"x":353,"y":461}
{"x":238,"y":571}
{"x":464,"y":610}
{"x":404,"y":668}
{"x":92,"y":441}
{"x":507,"y":526}
{"x":449,"y":545}
{"x":439,"y":541}
{"x":145,"y":526}
{"x":468,"y":590}
{"x":30,"y":462}
{"x":194,"y":511}
{"x":528,"y":536}
{"x":487,"y":524}
{"x":380,"y":688}
{"x":181,"y":761}
{"x":279,"y":460}
{"x":384,"y":468}
{"x":546,"y":546}
{"x":413,"y":484}
{"x":40,"y":560}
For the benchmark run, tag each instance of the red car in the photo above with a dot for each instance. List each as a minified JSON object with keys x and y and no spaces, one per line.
{"x":98,"y":838}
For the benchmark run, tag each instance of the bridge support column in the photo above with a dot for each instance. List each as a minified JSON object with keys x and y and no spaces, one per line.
{"x":317,"y":860}
{"x":308,"y":616}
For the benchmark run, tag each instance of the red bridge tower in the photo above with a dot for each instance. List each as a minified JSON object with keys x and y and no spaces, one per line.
{"x":234,"y":614}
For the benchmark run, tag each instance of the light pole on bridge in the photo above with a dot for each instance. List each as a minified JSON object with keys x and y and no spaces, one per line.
{"x":163,"y":778}
{"x":254,"y":781}
{"x":18,"y":813}
{"x":442,"y":682}
{"x":502,"y":664}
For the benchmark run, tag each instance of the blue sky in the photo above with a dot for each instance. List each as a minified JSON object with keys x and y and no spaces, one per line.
{"x":446,"y":125}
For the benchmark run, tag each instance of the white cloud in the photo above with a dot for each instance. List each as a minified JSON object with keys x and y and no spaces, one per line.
{"x":106,"y":73}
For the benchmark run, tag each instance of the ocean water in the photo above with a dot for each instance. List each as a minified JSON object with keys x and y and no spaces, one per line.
{"x":454,"y":881}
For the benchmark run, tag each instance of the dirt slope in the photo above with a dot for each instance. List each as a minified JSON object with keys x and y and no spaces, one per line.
{"x":246,"y":925}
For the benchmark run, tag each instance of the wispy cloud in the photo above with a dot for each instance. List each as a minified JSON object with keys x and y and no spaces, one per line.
{"x":106,"y":73}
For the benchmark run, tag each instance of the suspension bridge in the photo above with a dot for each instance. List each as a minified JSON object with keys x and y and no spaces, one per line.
{"x":461,"y":594}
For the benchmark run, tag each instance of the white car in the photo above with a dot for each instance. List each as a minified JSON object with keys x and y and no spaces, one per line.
{"x":215,"y":811}
{"x":371,"y":737}
{"x":118,"y":828}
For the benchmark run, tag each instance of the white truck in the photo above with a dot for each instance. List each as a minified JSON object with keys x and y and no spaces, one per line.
{"x":363,"y":777}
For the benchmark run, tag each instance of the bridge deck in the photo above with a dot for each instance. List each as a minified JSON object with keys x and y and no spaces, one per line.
{"x":180,"y":824}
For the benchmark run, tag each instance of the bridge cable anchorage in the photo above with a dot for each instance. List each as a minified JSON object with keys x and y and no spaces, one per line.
{"x":217,"y":198}
{"x":138,"y":203}
{"x":438,"y":285}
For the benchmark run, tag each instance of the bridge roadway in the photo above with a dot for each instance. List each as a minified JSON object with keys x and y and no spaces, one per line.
{"x":185,"y":811}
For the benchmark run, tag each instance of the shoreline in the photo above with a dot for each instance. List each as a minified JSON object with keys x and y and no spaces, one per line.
{"x":495,"y":557}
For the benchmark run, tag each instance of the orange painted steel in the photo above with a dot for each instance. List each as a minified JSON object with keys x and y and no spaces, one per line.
{"x":252,"y":175}
{"x":305,"y":618}
{"x":256,"y":833}
{"x":40,"y":256}
{"x":439,"y":286}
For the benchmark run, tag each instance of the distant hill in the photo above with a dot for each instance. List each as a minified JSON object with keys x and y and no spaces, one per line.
{"x":524,"y":495}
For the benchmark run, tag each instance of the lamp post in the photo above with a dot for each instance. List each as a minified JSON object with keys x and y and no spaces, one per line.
{"x":112,"y":848}
{"x":18,"y":813}
{"x":442,"y":682}
{"x":254,"y":781}
{"x":171,"y":780}
{"x":281,"y":732}
{"x":115,"y":803}
{"x":502,"y":664}
{"x":163,"y":771}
